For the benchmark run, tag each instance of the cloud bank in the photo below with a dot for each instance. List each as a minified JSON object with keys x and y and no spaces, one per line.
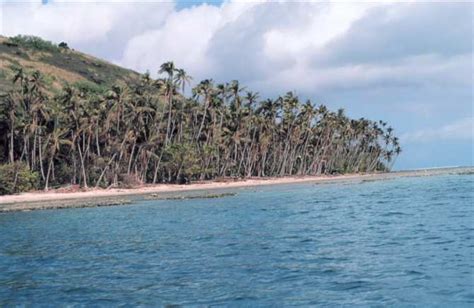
{"x":102,"y":28}
{"x":408,"y":63}
{"x":462,"y":129}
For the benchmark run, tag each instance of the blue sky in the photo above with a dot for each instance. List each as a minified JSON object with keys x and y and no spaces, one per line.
{"x":180,"y":4}
{"x":410,"y":64}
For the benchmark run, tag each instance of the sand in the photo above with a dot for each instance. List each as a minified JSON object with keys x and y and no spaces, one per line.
{"x":55,"y":199}
{"x":161,"y":188}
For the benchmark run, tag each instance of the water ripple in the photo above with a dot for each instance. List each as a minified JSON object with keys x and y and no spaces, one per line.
{"x":403,"y":242}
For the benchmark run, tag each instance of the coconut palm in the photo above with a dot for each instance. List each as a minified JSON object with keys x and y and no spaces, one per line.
{"x":148,"y":132}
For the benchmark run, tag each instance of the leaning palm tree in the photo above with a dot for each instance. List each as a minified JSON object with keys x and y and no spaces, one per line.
{"x":169,"y":88}
{"x":53,"y":146}
{"x":153,"y":133}
{"x":204,"y":89}
{"x":182,"y":79}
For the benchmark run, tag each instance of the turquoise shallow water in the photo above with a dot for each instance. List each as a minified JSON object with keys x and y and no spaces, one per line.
{"x":399,"y":242}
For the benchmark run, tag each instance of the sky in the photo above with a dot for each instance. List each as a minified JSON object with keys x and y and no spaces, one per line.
{"x":407,"y":63}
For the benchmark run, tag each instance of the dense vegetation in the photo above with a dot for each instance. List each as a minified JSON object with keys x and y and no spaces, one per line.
{"x":34,"y":42}
{"x":149,"y":132}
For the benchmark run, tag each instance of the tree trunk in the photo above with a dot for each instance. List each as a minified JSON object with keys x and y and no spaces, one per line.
{"x":81,"y":156}
{"x":46,"y":186}
{"x":105,"y":169}
{"x":12,"y":136}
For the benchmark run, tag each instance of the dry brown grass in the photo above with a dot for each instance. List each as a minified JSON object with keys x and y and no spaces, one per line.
{"x":60,"y":67}
{"x":44,"y":68}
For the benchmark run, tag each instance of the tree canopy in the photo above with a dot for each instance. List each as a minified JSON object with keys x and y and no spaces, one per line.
{"x":150,"y":132}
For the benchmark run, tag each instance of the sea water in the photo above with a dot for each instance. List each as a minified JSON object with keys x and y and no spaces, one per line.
{"x":398,"y":242}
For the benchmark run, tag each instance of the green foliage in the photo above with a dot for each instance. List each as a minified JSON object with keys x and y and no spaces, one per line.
{"x":62,"y":173}
{"x":89,"y":87}
{"x":182,"y":160}
{"x":63,"y":45}
{"x":17,"y":177}
{"x":34,"y":42}
{"x":127,"y":135}
{"x":4,"y":81}
{"x":48,"y":79}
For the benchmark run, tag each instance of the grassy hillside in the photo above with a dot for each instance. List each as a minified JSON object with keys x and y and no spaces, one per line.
{"x":58,"y":64}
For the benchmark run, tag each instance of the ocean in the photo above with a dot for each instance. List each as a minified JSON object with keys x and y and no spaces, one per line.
{"x":405,"y":241}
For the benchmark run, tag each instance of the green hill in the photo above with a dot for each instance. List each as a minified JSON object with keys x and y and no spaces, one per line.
{"x":58,"y":64}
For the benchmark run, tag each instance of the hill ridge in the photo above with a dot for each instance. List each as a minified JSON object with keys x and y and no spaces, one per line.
{"x":59,"y":64}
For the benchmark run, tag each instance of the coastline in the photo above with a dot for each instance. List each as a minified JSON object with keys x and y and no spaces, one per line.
{"x":55,"y":199}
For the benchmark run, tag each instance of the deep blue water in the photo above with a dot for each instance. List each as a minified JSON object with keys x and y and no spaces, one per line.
{"x":401,"y":242}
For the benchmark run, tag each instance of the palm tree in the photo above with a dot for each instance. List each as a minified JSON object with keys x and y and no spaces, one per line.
{"x":204,"y":89}
{"x":169,"y":90}
{"x":152,"y":133}
{"x":182,"y":78}
{"x":53,"y":145}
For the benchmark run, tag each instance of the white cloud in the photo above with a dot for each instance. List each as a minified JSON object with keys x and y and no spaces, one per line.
{"x":256,"y":37}
{"x":306,"y":46}
{"x":462,"y":129}
{"x":282,"y":45}
{"x":183,"y":38}
{"x":273,"y":38}
{"x":101,"y":28}
{"x":409,"y":63}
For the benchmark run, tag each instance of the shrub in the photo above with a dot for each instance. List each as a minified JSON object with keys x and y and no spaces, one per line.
{"x":62,"y":172}
{"x":129,"y":181}
{"x":89,"y":87}
{"x":34,"y":42}
{"x":63,"y":45}
{"x":25,"y":178}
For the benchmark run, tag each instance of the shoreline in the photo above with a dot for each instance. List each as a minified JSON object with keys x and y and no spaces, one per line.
{"x":55,"y":199}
